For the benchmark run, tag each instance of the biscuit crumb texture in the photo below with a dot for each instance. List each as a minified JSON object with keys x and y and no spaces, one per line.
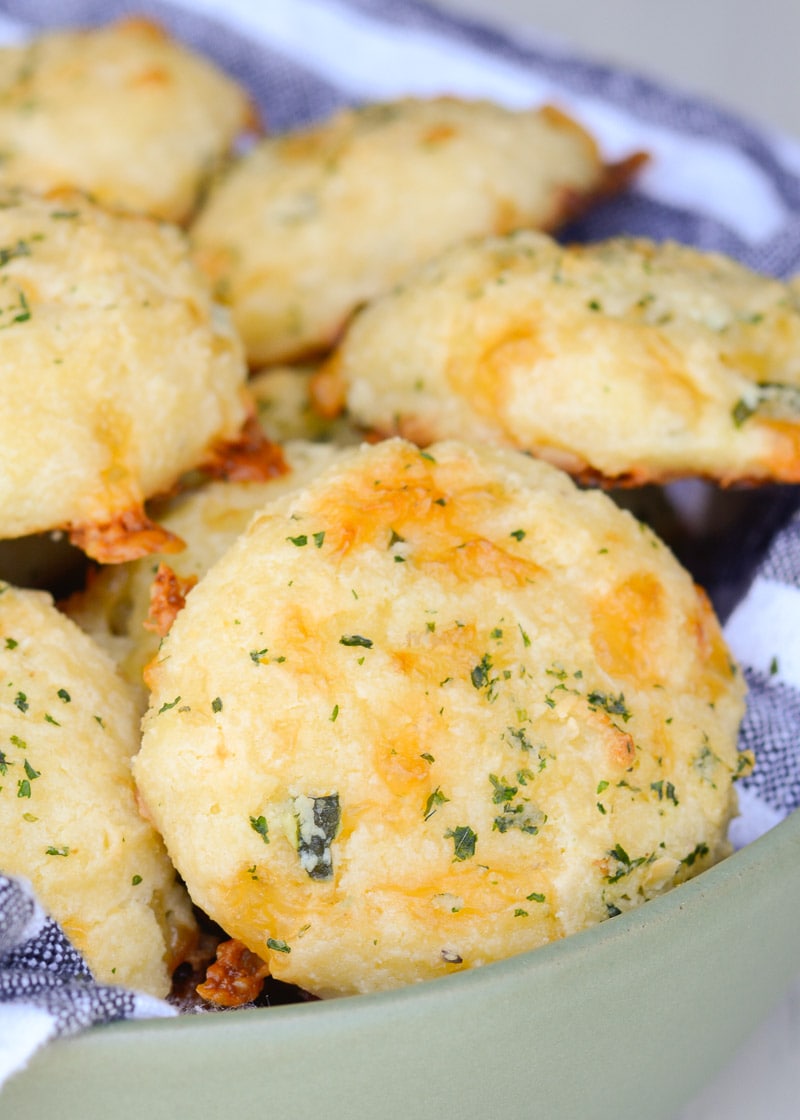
{"x":68,"y":809}
{"x":433,"y":709}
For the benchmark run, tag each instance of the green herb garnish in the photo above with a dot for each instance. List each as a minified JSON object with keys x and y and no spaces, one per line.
{"x":318,"y":821}
{"x":355,"y":640}
{"x":480,"y":674}
{"x":259,"y":825}
{"x":614,"y":705}
{"x":432,"y":803}
{"x":464,"y":841}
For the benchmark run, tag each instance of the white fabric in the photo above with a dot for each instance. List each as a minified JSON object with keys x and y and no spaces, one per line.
{"x":23,"y":1029}
{"x":354,"y":51}
{"x":764,"y":630}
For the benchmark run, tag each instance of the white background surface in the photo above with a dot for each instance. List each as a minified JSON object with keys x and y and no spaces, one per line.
{"x":744,"y":56}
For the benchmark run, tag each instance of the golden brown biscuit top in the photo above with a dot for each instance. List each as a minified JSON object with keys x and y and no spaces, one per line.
{"x":624,"y":359}
{"x":119,"y":372}
{"x":123,"y":112}
{"x":310,"y":224}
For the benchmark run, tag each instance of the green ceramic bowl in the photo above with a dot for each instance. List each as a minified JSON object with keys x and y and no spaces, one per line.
{"x":628,"y":1019}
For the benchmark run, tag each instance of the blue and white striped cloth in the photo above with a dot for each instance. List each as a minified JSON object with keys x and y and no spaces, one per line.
{"x":714,"y":181}
{"x":46,"y":990}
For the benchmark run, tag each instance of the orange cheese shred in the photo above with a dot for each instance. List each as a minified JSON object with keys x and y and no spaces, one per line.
{"x":167,"y":596}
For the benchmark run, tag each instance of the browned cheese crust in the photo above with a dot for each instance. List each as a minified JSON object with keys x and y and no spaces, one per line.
{"x":622,"y":360}
{"x":127,"y":608}
{"x":433,"y":709}
{"x":310,"y":224}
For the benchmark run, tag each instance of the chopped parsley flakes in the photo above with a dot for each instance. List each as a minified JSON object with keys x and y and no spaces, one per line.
{"x":664,"y":791}
{"x":432,"y":803}
{"x":355,"y":640}
{"x":624,"y":863}
{"x":259,"y":825}
{"x":464,"y":841}
{"x":318,"y":821}
{"x":480,"y":674}
{"x":11,"y":252}
{"x":698,"y":852}
{"x":614,"y":705}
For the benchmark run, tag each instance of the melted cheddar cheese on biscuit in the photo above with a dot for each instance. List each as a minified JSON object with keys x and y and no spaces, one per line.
{"x":626,"y":360}
{"x":432,"y":709}
{"x":310,"y":224}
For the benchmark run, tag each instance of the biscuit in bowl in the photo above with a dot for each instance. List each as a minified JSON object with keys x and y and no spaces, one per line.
{"x":624,"y":360}
{"x":434,"y":709}
{"x":68,"y":812}
{"x":119,"y":372}
{"x":310,"y":224}
{"x":122,"y":112}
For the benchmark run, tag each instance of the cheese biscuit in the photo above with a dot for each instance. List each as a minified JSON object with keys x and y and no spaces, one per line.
{"x":624,"y":360}
{"x":68,"y":812}
{"x":310,"y":224}
{"x":433,"y":709}
{"x":122,"y":112}
{"x":119,"y":372}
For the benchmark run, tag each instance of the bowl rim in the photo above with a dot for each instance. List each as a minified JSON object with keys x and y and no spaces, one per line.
{"x":608,"y":1002}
